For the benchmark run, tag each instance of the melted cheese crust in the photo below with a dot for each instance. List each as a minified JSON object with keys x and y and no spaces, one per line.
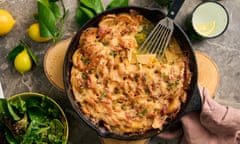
{"x":115,"y":89}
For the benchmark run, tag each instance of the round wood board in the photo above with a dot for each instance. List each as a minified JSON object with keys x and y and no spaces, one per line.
{"x":53,"y":63}
{"x":208,"y":75}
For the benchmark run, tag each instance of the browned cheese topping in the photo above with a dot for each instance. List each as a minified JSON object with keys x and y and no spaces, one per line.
{"x":122,"y":90}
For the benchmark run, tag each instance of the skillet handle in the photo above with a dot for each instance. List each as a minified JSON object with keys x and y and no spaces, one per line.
{"x":195,"y":103}
{"x":177,"y":4}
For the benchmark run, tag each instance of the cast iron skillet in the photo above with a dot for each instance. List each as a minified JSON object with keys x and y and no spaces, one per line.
{"x":193,"y":102}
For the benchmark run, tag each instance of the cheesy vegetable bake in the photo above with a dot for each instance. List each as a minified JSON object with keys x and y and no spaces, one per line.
{"x":120,"y":89}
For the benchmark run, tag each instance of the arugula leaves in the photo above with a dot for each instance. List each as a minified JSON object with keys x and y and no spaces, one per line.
{"x":50,"y":18}
{"x":90,"y":8}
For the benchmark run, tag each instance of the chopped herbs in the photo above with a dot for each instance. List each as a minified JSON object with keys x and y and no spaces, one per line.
{"x":113,"y":53}
{"x":116,"y":90}
{"x":147,"y":91}
{"x":171,"y":84}
{"x":136,"y":76}
{"x":104,"y":93}
{"x":165,"y":75}
{"x":105,"y":43}
{"x":142,"y":113}
{"x":85,"y":60}
{"x":84,"y":75}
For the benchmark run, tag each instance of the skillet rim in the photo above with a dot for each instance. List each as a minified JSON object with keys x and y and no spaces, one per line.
{"x":190,"y":94}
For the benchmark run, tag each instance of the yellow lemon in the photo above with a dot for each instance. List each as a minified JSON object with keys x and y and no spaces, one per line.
{"x":23,"y":62}
{"x":146,"y":58}
{"x":34,"y":33}
{"x":205,"y":29}
{"x":7,"y":22}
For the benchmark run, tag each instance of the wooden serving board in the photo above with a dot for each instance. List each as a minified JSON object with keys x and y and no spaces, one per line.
{"x":53,"y":66}
{"x":53,"y":63}
{"x":208,"y":75}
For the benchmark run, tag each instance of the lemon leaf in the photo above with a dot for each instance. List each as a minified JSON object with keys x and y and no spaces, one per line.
{"x":83,"y":15}
{"x":30,"y":52}
{"x":117,"y":3}
{"x":12,"y":54}
{"x":18,"y":49}
{"x":56,"y":10}
{"x":47,"y":20}
{"x":95,"y":5}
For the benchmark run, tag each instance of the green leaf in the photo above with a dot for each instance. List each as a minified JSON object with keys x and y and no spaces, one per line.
{"x":12,"y":112}
{"x":56,"y":10}
{"x":95,"y":5}
{"x":3,"y":108}
{"x":30,"y":52}
{"x":53,"y":0}
{"x":19,"y":48}
{"x":83,"y":15}
{"x":47,"y":20}
{"x":12,"y":54}
{"x":19,"y":105}
{"x":56,"y":131}
{"x":10,"y":138}
{"x":22,"y":124}
{"x":36,"y":114}
{"x":117,"y":3}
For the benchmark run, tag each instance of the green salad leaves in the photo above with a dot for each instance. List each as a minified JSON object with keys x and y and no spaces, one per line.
{"x":32,"y":121}
{"x":90,"y":8}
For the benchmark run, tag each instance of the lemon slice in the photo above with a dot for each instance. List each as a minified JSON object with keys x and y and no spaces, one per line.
{"x":146,"y":58}
{"x":205,"y":29}
{"x":107,"y":22}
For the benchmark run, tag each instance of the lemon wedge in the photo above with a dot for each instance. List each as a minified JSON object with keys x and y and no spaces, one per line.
{"x":146,"y":58}
{"x":205,"y":29}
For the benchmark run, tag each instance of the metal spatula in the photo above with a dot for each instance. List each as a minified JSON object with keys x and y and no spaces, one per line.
{"x":159,"y":37}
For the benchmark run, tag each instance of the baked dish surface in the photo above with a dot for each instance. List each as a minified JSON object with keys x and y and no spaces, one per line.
{"x":123,"y":90}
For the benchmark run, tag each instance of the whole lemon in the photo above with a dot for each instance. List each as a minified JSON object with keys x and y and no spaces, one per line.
{"x":7,"y":22}
{"x":34,"y":33}
{"x":23,"y":62}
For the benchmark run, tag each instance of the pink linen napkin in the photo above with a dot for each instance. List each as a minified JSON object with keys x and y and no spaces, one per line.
{"x":215,"y":124}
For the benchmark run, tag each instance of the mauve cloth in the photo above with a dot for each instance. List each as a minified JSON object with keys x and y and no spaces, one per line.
{"x":215,"y":124}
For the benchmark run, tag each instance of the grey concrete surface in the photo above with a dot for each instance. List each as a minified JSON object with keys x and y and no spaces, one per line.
{"x":224,"y":50}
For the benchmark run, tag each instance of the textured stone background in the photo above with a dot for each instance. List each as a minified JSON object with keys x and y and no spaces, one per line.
{"x":224,"y":50}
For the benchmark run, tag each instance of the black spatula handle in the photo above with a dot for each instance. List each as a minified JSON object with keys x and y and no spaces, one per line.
{"x":177,"y":4}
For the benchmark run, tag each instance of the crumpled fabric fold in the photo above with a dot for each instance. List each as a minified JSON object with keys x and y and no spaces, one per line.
{"x":215,"y":124}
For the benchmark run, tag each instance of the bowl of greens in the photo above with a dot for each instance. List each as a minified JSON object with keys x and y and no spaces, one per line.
{"x":32,"y":118}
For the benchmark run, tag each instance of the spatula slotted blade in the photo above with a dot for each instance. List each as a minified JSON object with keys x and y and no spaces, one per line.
{"x":159,"y":37}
